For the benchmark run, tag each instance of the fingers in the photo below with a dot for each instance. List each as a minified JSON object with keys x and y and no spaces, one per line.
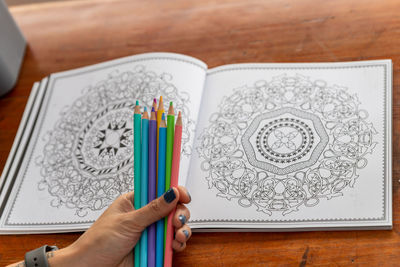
{"x":183,"y":234}
{"x":184,"y":196}
{"x":178,"y":246}
{"x":181,"y":217}
{"x":130,"y":196}
{"x":156,"y":209}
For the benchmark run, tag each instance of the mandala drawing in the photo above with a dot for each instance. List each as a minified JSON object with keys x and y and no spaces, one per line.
{"x":285,"y":144}
{"x":87,"y":160}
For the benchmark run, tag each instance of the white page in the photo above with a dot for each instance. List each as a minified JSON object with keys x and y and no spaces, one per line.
{"x":294,"y":146}
{"x":66,"y":179}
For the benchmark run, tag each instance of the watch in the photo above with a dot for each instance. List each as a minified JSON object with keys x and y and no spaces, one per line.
{"x":37,"y":257}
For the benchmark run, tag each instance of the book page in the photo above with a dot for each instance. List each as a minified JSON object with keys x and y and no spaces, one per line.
{"x":79,"y":157}
{"x":294,"y":146}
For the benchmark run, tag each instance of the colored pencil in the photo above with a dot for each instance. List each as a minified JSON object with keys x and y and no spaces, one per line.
{"x":152,"y":186}
{"x":168,"y":157}
{"x":160,"y":111}
{"x":174,"y":183}
{"x":144,"y":180}
{"x":160,"y":190}
{"x":154,"y":106}
{"x":137,"y":172}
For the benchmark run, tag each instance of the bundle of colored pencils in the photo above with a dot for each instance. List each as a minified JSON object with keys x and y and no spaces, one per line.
{"x":157,"y":148}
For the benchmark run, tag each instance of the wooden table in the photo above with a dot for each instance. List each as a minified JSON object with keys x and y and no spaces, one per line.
{"x":65,"y":35}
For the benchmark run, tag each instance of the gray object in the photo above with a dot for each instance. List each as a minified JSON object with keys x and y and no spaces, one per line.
{"x":37,"y":257}
{"x":12,"y":49}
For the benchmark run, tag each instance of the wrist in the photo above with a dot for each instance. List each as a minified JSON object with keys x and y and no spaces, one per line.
{"x":69,"y":256}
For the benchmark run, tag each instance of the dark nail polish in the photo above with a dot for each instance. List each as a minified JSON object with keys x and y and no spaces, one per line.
{"x":169,"y":196}
{"x":182,"y":219}
{"x":186,"y":233}
{"x":190,"y":197}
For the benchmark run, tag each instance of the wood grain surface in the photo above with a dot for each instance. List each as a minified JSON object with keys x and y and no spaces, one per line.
{"x":66,"y":35}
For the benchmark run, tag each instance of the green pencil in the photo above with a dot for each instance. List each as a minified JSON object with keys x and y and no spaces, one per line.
{"x":137,"y":128}
{"x":168,"y":157}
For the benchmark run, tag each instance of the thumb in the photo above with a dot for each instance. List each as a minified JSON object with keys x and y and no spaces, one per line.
{"x":156,"y":209}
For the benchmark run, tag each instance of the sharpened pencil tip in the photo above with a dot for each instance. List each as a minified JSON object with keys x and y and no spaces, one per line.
{"x":152,"y":109}
{"x":137,"y":102}
{"x":145,"y":108}
{"x":155,"y":100}
{"x":163,"y":116}
{"x":171,"y":104}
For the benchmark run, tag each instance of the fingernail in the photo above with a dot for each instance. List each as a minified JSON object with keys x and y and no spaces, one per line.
{"x":186,"y":233}
{"x":181,"y":244}
{"x":169,"y":196}
{"x":190,"y":197}
{"x":182,"y":219}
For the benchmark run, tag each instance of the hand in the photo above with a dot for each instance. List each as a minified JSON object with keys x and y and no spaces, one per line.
{"x":111,"y":239}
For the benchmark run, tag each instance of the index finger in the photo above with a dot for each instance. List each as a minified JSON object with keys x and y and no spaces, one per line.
{"x":184,"y":196}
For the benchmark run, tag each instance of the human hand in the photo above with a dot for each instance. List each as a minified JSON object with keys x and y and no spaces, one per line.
{"x":111,"y":239}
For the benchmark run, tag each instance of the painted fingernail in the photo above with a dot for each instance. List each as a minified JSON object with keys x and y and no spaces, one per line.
{"x":190,"y":197}
{"x":186,"y":233}
{"x":182,"y":219}
{"x":169,"y":196}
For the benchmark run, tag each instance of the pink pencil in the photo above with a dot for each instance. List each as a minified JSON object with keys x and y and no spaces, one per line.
{"x":176,"y":156}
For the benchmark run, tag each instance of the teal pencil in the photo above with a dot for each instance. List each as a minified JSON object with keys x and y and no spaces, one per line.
{"x":144,"y":183}
{"x":162,"y":141}
{"x":137,"y":120}
{"x":168,"y":157}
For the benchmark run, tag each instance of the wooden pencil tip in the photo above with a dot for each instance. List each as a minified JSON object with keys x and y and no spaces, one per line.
{"x":179,"y":120}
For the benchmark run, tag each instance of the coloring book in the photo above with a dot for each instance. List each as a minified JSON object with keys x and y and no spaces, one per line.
{"x":265,"y":147}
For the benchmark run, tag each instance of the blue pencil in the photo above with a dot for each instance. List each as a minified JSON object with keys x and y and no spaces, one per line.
{"x":144,"y":179}
{"x":162,"y":144}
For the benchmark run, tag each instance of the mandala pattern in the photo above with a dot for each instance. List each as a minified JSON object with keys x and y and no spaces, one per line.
{"x":285,"y":144}
{"x":87,"y":160}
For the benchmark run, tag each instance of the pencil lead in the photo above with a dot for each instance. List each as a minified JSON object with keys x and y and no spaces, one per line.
{"x":152,"y":109}
{"x":163,"y":116}
{"x":171,"y":104}
{"x":155,"y":100}
{"x":145,"y":108}
{"x":137,"y":102}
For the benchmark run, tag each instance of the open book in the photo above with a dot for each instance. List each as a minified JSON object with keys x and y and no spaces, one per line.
{"x":267,"y":147}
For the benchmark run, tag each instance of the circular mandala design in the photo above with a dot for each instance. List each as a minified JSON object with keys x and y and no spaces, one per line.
{"x":284,"y":140}
{"x":87,"y":159}
{"x":284,"y":144}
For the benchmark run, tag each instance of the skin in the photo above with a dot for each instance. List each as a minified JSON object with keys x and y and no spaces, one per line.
{"x":111,"y":239}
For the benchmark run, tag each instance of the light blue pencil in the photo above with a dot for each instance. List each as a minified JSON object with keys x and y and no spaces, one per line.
{"x":144,"y":183}
{"x":162,"y":143}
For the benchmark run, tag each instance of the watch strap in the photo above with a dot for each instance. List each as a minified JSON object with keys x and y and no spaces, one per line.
{"x":37,"y":257}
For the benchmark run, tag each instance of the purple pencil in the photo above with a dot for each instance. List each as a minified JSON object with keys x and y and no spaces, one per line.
{"x":151,"y":260}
